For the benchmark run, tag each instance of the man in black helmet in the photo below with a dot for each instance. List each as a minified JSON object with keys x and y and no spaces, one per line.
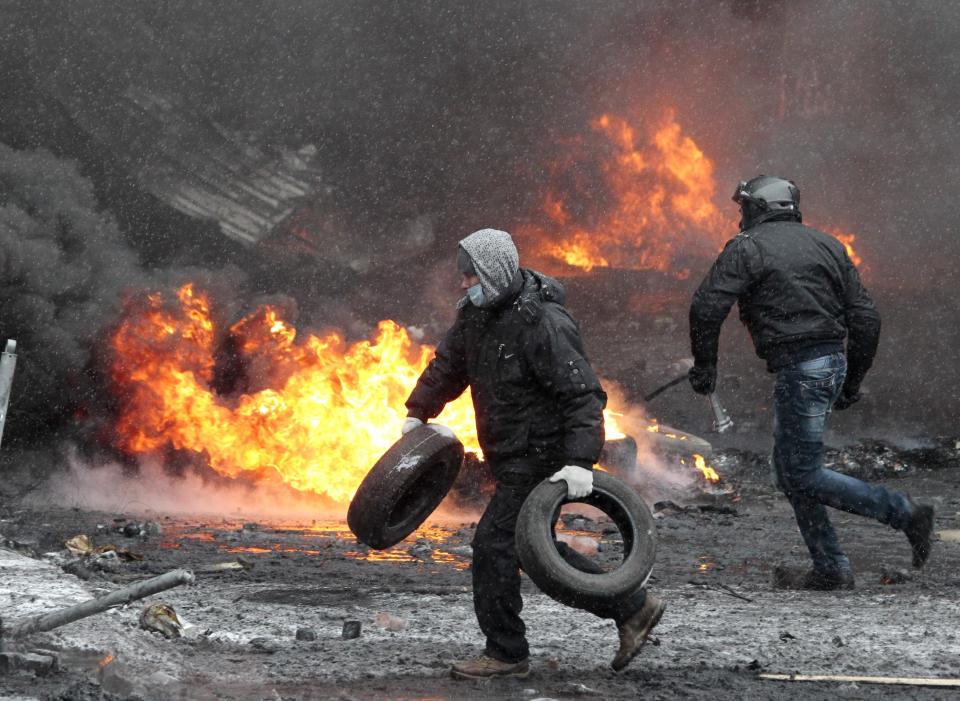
{"x":800,"y":296}
{"x":539,"y":410}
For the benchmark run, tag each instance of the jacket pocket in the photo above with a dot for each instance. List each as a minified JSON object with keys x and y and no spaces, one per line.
{"x":510,"y":370}
{"x":511,"y":376}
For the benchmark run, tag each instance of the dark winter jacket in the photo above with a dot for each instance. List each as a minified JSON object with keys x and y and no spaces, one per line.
{"x":538,"y":403}
{"x":799,"y":296}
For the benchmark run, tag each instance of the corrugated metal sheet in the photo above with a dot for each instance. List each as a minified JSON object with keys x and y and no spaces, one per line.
{"x":190,"y":162}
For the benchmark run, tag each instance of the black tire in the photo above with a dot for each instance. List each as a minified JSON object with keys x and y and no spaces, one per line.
{"x":404,"y":487}
{"x":672,"y":440}
{"x":541,"y":560}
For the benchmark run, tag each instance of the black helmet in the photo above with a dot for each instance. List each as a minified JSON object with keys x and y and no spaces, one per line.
{"x":766,"y":197}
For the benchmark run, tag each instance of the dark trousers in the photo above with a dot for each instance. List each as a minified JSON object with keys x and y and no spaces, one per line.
{"x":496,"y":572}
{"x":803,"y":397}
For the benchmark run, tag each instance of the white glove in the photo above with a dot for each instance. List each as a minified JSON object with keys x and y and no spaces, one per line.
{"x":411,"y":423}
{"x":443,"y":430}
{"x":579,"y":480}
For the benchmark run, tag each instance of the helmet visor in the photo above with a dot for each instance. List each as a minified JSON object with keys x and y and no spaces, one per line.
{"x":740,"y":192}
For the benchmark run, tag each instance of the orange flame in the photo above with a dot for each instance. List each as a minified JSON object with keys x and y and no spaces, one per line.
{"x":847,"y":240}
{"x":654,"y":205}
{"x":322,"y":413}
{"x":708,"y":472}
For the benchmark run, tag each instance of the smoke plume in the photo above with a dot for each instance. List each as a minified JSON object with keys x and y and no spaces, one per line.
{"x":445,"y":114}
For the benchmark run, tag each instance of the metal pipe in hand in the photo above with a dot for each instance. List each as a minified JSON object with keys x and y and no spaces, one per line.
{"x":721,"y":419}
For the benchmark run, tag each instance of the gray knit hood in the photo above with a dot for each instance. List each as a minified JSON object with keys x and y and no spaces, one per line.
{"x":497,"y":263}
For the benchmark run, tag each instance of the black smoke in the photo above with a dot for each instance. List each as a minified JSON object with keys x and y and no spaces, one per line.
{"x":63,"y":269}
{"x":450,"y":111}
{"x":449,"y":108}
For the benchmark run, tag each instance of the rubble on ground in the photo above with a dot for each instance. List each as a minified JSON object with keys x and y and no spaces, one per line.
{"x":351,"y":630}
{"x":867,"y":460}
{"x":161,"y":618}
{"x":301,"y":608}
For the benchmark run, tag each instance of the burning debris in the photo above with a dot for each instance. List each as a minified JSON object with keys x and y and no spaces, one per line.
{"x":316,"y":411}
{"x":210,"y":388}
{"x":709,"y":474}
{"x":635,"y":202}
{"x":651,"y":185}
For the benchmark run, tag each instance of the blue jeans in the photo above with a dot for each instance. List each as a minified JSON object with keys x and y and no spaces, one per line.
{"x":803,"y":396}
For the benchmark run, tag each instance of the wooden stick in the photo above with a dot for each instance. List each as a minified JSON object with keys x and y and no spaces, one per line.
{"x":720,"y":588}
{"x":907,"y":681}
{"x":663,"y":388}
{"x":731,"y":592}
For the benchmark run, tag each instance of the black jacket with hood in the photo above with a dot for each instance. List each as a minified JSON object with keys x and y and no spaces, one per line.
{"x":799,"y":296}
{"x":538,"y":404}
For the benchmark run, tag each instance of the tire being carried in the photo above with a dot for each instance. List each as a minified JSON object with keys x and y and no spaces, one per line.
{"x":404,"y":486}
{"x":558,"y":579}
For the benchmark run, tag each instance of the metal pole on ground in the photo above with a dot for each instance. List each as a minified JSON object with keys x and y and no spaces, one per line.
{"x":55,"y":619}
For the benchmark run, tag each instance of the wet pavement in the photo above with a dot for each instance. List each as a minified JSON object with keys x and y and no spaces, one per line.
{"x":723,"y":624}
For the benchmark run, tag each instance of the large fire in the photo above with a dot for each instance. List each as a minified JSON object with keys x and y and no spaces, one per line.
{"x":317,"y":411}
{"x":647,"y":205}
{"x":320,"y":415}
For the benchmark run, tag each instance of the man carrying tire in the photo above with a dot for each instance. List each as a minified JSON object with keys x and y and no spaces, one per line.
{"x":800,"y":296}
{"x":539,"y":412}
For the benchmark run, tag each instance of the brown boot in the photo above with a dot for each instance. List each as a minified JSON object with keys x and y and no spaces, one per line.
{"x":484,"y":667}
{"x":634,"y":631}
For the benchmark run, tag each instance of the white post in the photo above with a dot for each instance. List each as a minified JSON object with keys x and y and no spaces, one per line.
{"x":8,"y":362}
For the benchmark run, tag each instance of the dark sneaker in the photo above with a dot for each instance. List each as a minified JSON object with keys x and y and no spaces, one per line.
{"x":484,"y":667}
{"x":919,"y":532}
{"x":812,"y":579}
{"x":635,"y":630}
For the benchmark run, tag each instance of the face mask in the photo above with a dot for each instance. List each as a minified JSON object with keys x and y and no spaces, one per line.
{"x":475,"y":293}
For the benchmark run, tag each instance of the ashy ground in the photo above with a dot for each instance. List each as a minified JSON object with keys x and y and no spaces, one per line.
{"x":724,"y":621}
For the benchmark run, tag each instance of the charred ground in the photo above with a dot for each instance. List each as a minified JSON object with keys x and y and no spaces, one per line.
{"x":724,"y":622}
